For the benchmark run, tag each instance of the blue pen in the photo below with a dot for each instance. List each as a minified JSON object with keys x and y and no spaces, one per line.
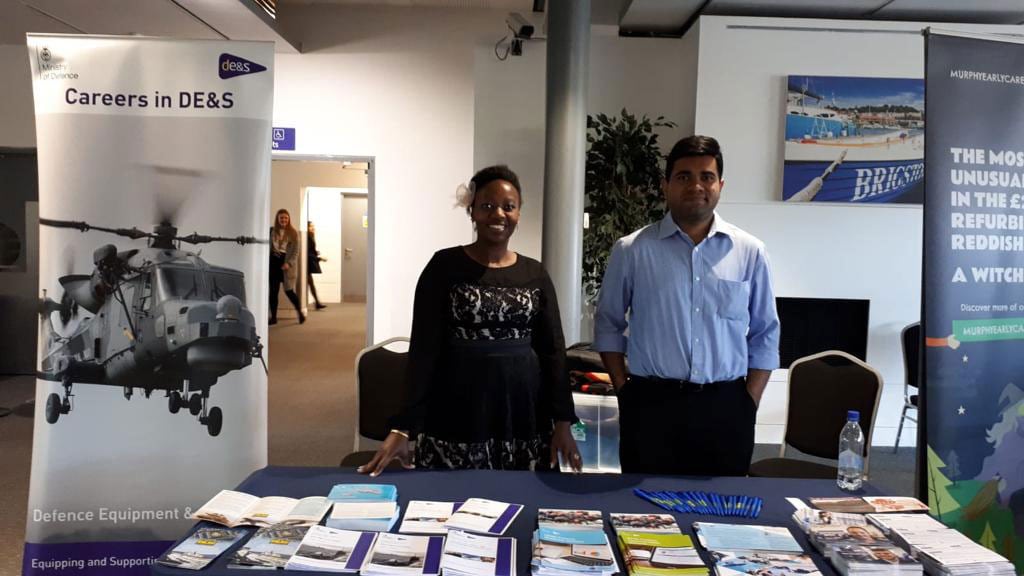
{"x":649,"y":497}
{"x":669,"y":500}
{"x":721,"y":505}
{"x":730,"y":505}
{"x":703,"y":503}
{"x":746,"y":506}
{"x":713,"y":500}
{"x":757,"y":507}
{"x":683,"y":503}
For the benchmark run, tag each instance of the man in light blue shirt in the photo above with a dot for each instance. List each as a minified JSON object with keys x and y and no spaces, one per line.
{"x":689,"y":300}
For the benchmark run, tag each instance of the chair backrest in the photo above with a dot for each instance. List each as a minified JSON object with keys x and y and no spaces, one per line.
{"x":380,"y":389}
{"x":911,"y":340}
{"x":822,"y":387}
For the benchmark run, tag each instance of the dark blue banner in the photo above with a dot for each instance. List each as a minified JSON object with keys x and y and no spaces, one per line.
{"x":974,"y":289}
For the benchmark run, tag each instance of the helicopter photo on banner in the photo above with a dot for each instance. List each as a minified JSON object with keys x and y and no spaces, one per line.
{"x":151,"y":395}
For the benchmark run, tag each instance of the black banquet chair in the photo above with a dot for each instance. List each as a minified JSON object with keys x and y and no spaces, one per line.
{"x":822,"y":388}
{"x":380,"y":393}
{"x":910,"y":339}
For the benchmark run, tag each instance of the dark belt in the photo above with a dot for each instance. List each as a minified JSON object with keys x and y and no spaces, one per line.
{"x":683,"y":385}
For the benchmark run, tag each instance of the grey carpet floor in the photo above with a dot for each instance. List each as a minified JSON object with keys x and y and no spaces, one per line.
{"x":310,"y":416}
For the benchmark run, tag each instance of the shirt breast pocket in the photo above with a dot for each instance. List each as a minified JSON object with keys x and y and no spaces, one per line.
{"x":733,"y":300}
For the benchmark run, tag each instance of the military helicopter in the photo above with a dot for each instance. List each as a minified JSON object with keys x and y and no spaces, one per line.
{"x":160,"y":318}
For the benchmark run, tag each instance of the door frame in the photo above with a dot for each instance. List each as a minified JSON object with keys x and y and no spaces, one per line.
{"x":370,"y":216}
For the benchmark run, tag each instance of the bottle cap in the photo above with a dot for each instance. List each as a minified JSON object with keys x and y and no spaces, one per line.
{"x":852,"y":416}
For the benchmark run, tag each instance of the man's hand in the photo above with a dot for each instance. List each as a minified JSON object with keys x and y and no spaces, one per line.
{"x":285,"y":266}
{"x":615,"y":365}
{"x":563,"y":443}
{"x":395,"y":447}
{"x":757,"y":380}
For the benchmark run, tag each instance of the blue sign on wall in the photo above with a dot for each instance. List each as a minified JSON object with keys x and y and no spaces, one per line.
{"x":283,"y":139}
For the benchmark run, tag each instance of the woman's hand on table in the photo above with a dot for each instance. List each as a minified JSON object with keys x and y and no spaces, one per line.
{"x":562,"y":443}
{"x":395,"y":447}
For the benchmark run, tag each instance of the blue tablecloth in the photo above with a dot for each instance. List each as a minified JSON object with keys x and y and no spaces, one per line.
{"x":605,"y":492}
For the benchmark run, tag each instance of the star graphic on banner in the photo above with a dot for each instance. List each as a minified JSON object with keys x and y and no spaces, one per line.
{"x":961,"y":410}
{"x":965,"y":358}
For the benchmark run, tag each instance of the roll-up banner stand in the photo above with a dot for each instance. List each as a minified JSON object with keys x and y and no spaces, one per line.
{"x":973,"y":321}
{"x":154,"y":166}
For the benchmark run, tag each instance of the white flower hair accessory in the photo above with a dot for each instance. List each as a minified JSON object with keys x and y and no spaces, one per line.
{"x":464,"y":195}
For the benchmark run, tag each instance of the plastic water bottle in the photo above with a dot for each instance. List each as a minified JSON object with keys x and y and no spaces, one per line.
{"x":851,"y":453}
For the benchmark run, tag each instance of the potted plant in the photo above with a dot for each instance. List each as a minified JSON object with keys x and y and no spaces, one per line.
{"x":622,"y":191}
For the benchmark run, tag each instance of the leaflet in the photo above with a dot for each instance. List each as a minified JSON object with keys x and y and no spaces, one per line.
{"x":404,"y":554}
{"x":738,"y":562}
{"x":809,"y":517}
{"x":425,"y":517}
{"x":573,"y":550}
{"x":570,"y":519}
{"x":714,"y":536}
{"x":201,"y":548}
{"x":848,"y":504}
{"x":363,"y":493}
{"x":231,"y":509}
{"x":269,"y":547}
{"x":364,"y":516}
{"x":665,"y":523}
{"x":895,"y":504}
{"x":468,"y":554}
{"x":652,"y":553}
{"x":330,"y":550}
{"x":825,"y":537}
{"x":484,"y":516}
{"x":858,"y":558}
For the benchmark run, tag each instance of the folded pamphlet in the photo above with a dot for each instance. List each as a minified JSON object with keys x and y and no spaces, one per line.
{"x":269,"y":547}
{"x":660,"y":554}
{"x":467,"y":554}
{"x":395,"y":554}
{"x":484,"y":516}
{"x":570,"y":519}
{"x":737,"y":562}
{"x":329,"y":550}
{"x":425,"y":517}
{"x":231,"y":509}
{"x":201,"y":548}
{"x":665,"y":523}
{"x":721,"y":537}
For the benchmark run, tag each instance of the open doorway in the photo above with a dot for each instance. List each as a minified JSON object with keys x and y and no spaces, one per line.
{"x":311,"y":392}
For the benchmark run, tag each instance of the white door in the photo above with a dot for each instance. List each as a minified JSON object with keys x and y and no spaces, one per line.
{"x":323,"y":209}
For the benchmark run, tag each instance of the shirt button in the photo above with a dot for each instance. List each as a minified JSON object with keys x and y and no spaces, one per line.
{"x":697,"y":278}
{"x":696,"y":339}
{"x":696,"y":309}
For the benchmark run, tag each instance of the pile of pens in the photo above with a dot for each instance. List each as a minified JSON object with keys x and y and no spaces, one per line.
{"x":706,"y":503}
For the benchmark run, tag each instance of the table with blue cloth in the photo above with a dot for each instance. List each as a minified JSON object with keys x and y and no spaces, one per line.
{"x":605,"y":492}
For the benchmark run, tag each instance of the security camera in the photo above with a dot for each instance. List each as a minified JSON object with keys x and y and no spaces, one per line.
{"x":519,"y":26}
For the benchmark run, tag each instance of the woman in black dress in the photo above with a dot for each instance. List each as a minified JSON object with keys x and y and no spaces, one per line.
{"x":487,"y":380}
{"x":313,"y":261}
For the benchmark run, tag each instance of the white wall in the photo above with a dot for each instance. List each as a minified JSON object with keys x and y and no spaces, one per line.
{"x":395,"y":84}
{"x":640,"y":74}
{"x":829,"y":251}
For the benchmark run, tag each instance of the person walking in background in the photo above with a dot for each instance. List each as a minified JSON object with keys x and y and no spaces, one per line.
{"x":284,"y":258}
{"x":313,"y":261}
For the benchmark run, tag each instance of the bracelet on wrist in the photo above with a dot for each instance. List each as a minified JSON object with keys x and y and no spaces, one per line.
{"x":400,"y":433}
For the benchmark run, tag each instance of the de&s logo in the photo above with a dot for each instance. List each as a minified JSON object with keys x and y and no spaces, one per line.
{"x":230,"y":66}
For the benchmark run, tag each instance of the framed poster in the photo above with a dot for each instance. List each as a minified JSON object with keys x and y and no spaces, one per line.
{"x":854,"y":140}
